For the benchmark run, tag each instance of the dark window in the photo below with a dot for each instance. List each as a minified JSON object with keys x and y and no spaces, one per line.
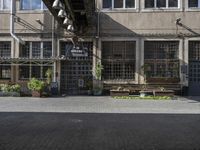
{"x":118,"y":3}
{"x":35,"y":70}
{"x":193,"y":3}
{"x":194,"y":50}
{"x":24,"y":72}
{"x":107,"y":3}
{"x":5,"y":72}
{"x":5,"y":49}
{"x":161,"y":59}
{"x":118,"y":59}
{"x":161,"y":3}
{"x":130,"y":3}
{"x":173,"y":3}
{"x":47,"y":49}
{"x":149,"y":3}
{"x":25,"y":50}
{"x":36,"y":49}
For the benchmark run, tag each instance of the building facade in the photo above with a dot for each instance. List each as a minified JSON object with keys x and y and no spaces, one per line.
{"x":137,"y":41}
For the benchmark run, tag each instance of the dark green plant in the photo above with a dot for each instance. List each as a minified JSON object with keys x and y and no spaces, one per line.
{"x":36,"y":85}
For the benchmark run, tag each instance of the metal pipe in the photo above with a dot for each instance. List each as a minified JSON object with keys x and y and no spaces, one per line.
{"x":12,"y":15}
{"x":53,"y":46}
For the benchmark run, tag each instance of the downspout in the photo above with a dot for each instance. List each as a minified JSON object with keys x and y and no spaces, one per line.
{"x":12,"y":14}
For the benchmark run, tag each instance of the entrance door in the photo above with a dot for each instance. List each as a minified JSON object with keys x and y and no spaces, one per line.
{"x":194,"y":68}
{"x":76,"y":72}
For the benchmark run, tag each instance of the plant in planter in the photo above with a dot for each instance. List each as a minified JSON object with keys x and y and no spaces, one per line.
{"x":36,"y":86}
{"x":98,"y":87}
{"x":145,"y":68}
{"x":10,"y":90}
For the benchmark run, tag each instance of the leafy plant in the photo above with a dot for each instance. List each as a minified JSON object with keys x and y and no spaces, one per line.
{"x":36,"y":85}
{"x":10,"y":88}
{"x":98,"y":70}
{"x":48,"y":74}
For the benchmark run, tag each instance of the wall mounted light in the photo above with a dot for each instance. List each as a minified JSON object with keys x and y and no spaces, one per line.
{"x":57,"y":5}
{"x":70,"y":28}
{"x":62,"y":13}
{"x":67,"y":21}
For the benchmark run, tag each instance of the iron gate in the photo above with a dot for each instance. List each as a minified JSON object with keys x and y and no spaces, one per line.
{"x":76,"y":72}
{"x":194,"y":68}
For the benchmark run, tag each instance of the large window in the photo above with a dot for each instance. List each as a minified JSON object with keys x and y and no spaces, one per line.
{"x":161,"y":3}
{"x":5,"y":72}
{"x":5,"y":49}
{"x":161,"y":59}
{"x":33,"y":71}
{"x":32,"y":5}
{"x":194,"y":3}
{"x":37,"y":49}
{"x":118,"y":4}
{"x":5,"y":4}
{"x":118,"y":59}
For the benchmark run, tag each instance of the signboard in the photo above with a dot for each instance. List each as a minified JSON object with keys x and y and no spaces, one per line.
{"x":79,"y":52}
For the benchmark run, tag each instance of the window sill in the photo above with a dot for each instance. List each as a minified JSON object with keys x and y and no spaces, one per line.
{"x":120,"y":81}
{"x":161,"y":9}
{"x":192,"y":9}
{"x":120,"y":10}
{"x":32,"y":11}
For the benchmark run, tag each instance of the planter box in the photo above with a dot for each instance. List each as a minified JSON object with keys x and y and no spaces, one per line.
{"x":119,"y":93}
{"x":12,"y":94}
{"x":165,"y":93}
{"x":163,"y":80}
{"x":36,"y":94}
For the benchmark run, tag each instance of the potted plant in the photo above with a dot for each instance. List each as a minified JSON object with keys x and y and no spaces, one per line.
{"x":36,"y":86}
{"x":98,"y":86}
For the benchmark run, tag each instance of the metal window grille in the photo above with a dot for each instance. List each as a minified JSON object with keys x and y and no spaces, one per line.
{"x":118,"y":59}
{"x":36,"y":49}
{"x":25,"y":50}
{"x":5,"y":72}
{"x":161,"y":58}
{"x":5,"y":49}
{"x":194,"y":50}
{"x":193,"y":3}
{"x":47,"y":49}
{"x":24,"y":72}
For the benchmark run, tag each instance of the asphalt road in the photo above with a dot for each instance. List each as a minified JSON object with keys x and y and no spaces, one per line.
{"x":97,"y":131}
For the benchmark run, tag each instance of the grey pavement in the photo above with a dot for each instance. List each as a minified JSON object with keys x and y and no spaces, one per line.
{"x":102,"y":104}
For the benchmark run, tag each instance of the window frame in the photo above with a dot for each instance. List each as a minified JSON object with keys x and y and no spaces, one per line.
{"x":163,"y":8}
{"x":42,"y":7}
{"x":2,"y":6}
{"x":104,"y":60}
{"x":29,"y":48}
{"x":198,"y":7}
{"x":161,"y":60}
{"x":123,"y":8}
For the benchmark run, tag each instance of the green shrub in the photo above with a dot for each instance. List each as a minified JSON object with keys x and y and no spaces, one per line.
{"x":36,"y":85}
{"x":10,"y":88}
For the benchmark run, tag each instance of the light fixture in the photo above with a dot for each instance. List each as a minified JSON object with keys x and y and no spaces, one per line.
{"x":70,"y":28}
{"x":57,"y":5}
{"x":67,"y":21}
{"x":62,"y":13}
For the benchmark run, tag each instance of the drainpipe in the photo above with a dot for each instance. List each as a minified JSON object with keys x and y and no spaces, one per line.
{"x":12,"y":14}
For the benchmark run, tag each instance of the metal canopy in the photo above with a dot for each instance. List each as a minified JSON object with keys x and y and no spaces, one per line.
{"x":81,"y":13}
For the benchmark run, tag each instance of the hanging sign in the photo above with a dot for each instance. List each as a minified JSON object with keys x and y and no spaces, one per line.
{"x":79,"y":52}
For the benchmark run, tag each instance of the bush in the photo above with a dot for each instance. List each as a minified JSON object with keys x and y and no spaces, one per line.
{"x":10,"y":88}
{"x":36,"y":85}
